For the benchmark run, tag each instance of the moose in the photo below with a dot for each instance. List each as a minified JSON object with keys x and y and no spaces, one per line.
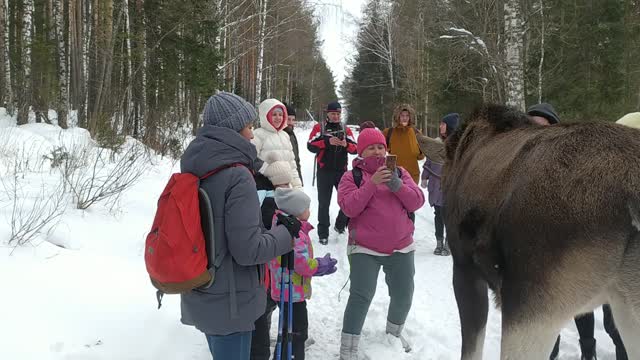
{"x":548,"y":218}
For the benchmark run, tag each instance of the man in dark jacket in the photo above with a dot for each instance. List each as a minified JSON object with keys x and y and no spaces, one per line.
{"x":226,"y":311}
{"x":544,"y":114}
{"x":291,"y":120}
{"x":331,"y":142}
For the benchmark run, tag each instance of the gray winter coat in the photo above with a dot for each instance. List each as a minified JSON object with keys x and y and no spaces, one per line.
{"x":237,"y":297}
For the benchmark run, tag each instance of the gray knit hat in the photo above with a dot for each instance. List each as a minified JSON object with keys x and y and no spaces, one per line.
{"x":228,"y":110}
{"x":292,"y":201}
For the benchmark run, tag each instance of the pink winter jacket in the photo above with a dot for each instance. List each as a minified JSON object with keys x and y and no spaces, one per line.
{"x":379,"y":218}
{"x":305,"y":265}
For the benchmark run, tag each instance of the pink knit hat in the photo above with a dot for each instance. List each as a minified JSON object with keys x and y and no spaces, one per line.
{"x":369,"y":137}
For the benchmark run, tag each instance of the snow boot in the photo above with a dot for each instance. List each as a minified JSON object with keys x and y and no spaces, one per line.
{"x":349,"y":346}
{"x":621,"y":353}
{"x":445,"y":249}
{"x":396,"y":330}
{"x":339,"y":230}
{"x":324,"y":241}
{"x":588,"y":348}
{"x":310,"y":341}
{"x":438,"y":250}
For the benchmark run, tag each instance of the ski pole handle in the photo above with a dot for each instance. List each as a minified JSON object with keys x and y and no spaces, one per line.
{"x":287,"y":261}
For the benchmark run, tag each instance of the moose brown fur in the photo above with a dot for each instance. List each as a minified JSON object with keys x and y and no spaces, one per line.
{"x":549,"y":219}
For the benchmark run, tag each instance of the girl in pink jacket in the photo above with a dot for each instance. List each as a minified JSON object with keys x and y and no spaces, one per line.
{"x":295,"y":202}
{"x":380,"y":235}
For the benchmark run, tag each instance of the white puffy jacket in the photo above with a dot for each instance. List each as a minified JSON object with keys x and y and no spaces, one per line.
{"x":268,"y":139}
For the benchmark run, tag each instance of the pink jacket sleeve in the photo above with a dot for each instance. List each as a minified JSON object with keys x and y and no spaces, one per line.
{"x":410,"y":194}
{"x":304,"y":264}
{"x":353,"y":200}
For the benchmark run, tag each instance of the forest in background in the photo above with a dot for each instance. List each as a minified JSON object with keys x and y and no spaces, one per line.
{"x":446,"y":56}
{"x":144,"y":68}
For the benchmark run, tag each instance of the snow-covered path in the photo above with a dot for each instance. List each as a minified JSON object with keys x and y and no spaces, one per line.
{"x":94,"y":301}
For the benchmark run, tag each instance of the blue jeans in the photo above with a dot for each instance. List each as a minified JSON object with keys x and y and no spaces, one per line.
{"x":230,"y":347}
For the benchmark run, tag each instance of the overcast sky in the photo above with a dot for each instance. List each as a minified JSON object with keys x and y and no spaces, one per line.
{"x":338,"y":30}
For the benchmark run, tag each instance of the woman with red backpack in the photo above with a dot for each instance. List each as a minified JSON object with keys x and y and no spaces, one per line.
{"x":226,"y":310}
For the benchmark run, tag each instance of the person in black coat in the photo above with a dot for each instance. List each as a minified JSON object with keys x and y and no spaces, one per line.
{"x":291,"y":120}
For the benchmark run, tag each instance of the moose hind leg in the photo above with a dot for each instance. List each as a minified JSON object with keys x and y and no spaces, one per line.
{"x":531,"y":321}
{"x":473,"y":307}
{"x":628,"y":326}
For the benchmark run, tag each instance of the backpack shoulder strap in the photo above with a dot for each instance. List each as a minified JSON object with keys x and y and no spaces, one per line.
{"x":218,"y":169}
{"x":388,"y":137}
{"x":207,"y":221}
{"x":357,"y":176}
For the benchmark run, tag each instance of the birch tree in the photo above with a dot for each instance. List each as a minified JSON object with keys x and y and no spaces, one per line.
{"x":77,"y":58}
{"x":514,"y":33}
{"x":63,"y":99}
{"x":6,"y":55}
{"x":261,"y":41}
{"x":128,"y":99}
{"x":24,"y":100}
{"x":377,"y":37}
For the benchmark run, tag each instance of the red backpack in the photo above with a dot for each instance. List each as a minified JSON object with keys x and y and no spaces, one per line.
{"x":176,"y":253}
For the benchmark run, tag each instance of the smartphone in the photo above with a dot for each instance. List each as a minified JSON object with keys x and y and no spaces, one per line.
{"x":390,"y":162}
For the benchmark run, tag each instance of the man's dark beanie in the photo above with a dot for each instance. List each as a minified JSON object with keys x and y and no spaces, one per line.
{"x":544,"y":110}
{"x":334,"y":107}
{"x":290,"y":111}
{"x":452,"y":120}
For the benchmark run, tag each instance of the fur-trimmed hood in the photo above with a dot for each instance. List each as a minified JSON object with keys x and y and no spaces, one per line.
{"x":400,"y":108}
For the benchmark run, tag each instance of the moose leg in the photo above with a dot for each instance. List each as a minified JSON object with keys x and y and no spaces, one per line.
{"x":528,"y":340}
{"x":473,"y":306}
{"x":628,"y":324}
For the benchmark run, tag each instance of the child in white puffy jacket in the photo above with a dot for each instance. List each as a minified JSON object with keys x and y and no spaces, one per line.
{"x":271,"y":141}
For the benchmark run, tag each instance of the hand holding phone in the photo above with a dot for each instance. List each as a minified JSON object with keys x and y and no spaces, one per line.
{"x":391,"y":162}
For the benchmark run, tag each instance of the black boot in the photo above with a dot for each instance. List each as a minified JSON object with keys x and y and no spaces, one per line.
{"x":621,"y":353}
{"x":445,"y":249}
{"x":439,"y":246}
{"x":588,"y":348}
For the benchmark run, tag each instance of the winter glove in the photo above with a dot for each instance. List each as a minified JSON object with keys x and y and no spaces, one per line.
{"x":326,"y":265}
{"x":424,"y":183}
{"x":395,"y":183}
{"x":291,"y":223}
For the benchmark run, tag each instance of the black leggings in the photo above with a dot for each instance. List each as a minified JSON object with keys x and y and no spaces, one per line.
{"x":586,"y":324}
{"x":439,"y":222}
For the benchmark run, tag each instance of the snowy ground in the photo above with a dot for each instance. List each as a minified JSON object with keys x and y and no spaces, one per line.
{"x":92,"y":300}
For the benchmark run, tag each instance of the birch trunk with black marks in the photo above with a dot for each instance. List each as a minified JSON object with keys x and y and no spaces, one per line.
{"x":63,"y":83}
{"x":514,"y":33}
{"x":24,"y":99}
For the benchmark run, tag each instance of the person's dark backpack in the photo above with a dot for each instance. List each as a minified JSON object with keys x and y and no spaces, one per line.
{"x":176,"y":255}
{"x":357,"y":179}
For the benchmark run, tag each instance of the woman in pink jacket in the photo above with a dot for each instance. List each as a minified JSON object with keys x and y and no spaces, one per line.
{"x":380,"y":235}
